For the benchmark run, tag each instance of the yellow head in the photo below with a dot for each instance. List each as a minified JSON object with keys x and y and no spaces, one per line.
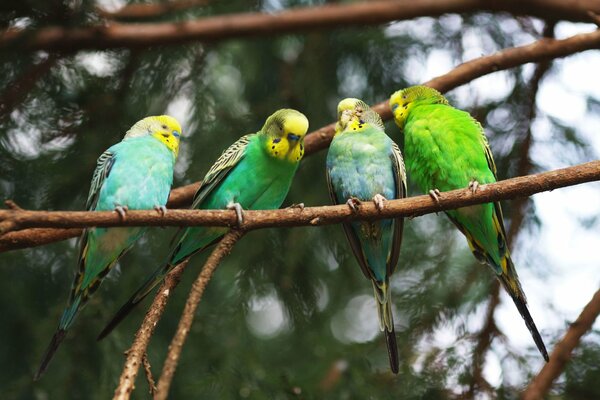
{"x":353,"y":114}
{"x":404,"y":100}
{"x":284,"y":132}
{"x":163,"y":127}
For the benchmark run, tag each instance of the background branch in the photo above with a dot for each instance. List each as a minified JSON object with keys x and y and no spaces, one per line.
{"x":262,"y":24}
{"x":540,"y":385}
{"x":320,"y":138}
{"x":152,"y":10}
{"x":185,"y":323}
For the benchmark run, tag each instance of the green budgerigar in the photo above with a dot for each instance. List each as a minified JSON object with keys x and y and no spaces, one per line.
{"x":254,"y":173}
{"x":364,"y":164}
{"x":135,"y":174}
{"x":446,"y":149}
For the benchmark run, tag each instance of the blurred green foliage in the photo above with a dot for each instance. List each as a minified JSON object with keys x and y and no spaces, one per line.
{"x":287,"y":315}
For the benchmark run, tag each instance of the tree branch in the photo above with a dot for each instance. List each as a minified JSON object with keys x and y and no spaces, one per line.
{"x":138,"y":349}
{"x":310,"y":216}
{"x":263,"y":24}
{"x":540,"y":385}
{"x":320,"y":138}
{"x":185,"y":323}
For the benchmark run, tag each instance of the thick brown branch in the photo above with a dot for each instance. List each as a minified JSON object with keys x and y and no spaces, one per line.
{"x":187,"y":317}
{"x":311,"y":216}
{"x":540,"y":385}
{"x":297,"y":20}
{"x":320,"y":139}
{"x":138,"y":349}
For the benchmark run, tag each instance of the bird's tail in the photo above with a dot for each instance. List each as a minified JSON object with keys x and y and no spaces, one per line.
{"x":386,"y":321}
{"x":139,"y":295}
{"x":510,"y":281}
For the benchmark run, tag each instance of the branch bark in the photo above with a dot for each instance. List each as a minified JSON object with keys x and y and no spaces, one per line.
{"x":136,"y":352}
{"x":310,"y":216}
{"x":319,"y":139}
{"x":561,"y":355}
{"x":297,"y":20}
{"x":185,"y":323}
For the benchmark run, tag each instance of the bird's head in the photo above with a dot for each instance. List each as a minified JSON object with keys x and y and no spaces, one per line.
{"x":353,"y":114}
{"x":403,"y":101}
{"x":284,"y":132}
{"x":163,"y":127}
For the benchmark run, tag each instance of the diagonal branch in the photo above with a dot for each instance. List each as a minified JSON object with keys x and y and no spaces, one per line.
{"x":245,"y":25}
{"x":309,"y":216}
{"x":185,"y":323}
{"x":319,"y":139}
{"x":137,"y":351}
{"x":561,"y":355}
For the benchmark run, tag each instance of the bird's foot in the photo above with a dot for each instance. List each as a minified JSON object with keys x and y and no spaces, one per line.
{"x":353,"y":203}
{"x":435,"y":194}
{"x":379,"y":201}
{"x":238,"y":212}
{"x":473,"y":185}
{"x":162,"y":210}
{"x":122,"y":211}
{"x":299,"y":205}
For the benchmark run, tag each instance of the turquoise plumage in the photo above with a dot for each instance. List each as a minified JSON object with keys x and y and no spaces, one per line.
{"x":135,"y":174}
{"x":364,"y":164}
{"x":254,"y":173}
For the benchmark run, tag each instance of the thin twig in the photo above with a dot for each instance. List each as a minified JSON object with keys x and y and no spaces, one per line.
{"x":185,"y":323}
{"x":320,"y":139}
{"x":118,"y":35}
{"x":561,"y":355}
{"x":314,"y":216}
{"x":149,"y":377}
{"x":137,"y":350}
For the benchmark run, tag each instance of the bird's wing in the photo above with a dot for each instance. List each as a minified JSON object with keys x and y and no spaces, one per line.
{"x":221,"y":168}
{"x":103,"y":167}
{"x":351,"y":235}
{"x":400,"y":182}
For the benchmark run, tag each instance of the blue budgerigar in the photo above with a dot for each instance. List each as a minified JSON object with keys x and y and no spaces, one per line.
{"x":364,"y":164}
{"x":135,"y":174}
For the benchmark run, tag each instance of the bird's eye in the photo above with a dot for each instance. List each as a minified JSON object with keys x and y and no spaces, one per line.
{"x":404,"y":97}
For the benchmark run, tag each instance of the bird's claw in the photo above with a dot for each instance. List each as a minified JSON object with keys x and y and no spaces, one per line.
{"x":379,"y":201}
{"x":435,"y":194}
{"x":122,"y":211}
{"x":238,"y":212}
{"x":353,"y":203}
{"x":299,"y":205}
{"x":473,"y":185}
{"x":162,"y":210}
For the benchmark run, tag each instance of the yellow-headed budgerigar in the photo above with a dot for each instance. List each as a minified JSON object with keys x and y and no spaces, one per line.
{"x":254,"y":173}
{"x":135,"y":174}
{"x":446,"y":149}
{"x":364,"y":164}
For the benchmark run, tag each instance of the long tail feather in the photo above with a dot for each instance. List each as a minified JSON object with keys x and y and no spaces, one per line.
{"x":510,"y":281}
{"x":386,"y":322}
{"x":139,"y":295}
{"x":49,"y":353}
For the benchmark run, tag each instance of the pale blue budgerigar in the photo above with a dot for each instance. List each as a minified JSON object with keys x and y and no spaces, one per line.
{"x":134,"y":174}
{"x":364,"y":164}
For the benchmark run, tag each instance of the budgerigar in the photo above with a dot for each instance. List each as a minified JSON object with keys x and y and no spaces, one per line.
{"x":135,"y":174}
{"x":255,"y":172}
{"x":446,"y":149}
{"x":364,"y":164}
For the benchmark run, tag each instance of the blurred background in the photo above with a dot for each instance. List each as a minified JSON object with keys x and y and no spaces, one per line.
{"x":289,"y":314}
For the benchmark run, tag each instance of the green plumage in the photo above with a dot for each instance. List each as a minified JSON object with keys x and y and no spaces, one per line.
{"x":446,"y":149}
{"x":255,"y":172}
